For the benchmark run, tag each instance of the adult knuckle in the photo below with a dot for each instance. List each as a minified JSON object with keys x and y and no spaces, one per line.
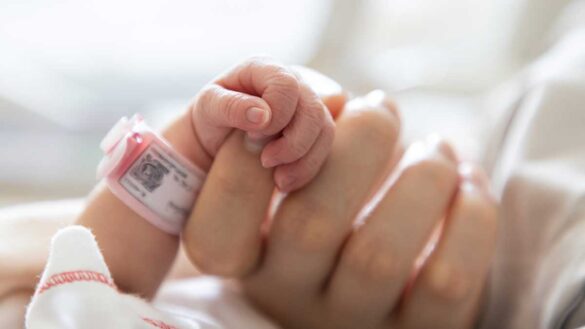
{"x":233,"y":186}
{"x":373,"y":261}
{"x":379,"y":129}
{"x":436,"y":173}
{"x":306,"y":228}
{"x":307,"y":235}
{"x":446,"y":282}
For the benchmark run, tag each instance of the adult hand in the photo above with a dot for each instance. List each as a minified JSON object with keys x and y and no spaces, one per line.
{"x":311,"y":266}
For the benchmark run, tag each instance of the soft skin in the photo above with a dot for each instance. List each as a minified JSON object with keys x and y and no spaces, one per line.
{"x":322,"y":261}
{"x":269,"y":101}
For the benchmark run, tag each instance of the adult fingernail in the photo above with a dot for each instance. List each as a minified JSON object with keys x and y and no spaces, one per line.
{"x":257,"y":115}
{"x":476,"y":177}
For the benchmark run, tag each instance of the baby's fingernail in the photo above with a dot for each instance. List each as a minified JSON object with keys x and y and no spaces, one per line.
{"x":255,"y":145}
{"x":285,"y":183}
{"x":257,"y":115}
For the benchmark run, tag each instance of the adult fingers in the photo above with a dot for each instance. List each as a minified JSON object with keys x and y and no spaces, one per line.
{"x":448,"y":289}
{"x":312,"y":223}
{"x":244,"y":190}
{"x":292,"y":176}
{"x":223,"y":234}
{"x":379,"y":256}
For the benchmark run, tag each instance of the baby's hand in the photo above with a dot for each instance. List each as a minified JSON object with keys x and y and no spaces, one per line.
{"x":275,"y":106}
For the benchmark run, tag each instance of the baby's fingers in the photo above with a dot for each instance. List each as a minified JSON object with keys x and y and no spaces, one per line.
{"x":273,"y":82}
{"x":304,"y":143}
{"x":301,"y":133}
{"x":219,"y":109}
{"x":292,"y":176}
{"x":330,"y":92}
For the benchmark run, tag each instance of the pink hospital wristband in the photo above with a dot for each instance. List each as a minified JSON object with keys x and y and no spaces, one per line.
{"x":148,"y":175}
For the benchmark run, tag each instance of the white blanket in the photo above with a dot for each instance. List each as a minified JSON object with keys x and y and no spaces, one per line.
{"x":538,"y":165}
{"x":75,"y":289}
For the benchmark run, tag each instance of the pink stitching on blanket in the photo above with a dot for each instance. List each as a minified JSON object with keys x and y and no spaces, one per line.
{"x":91,"y":276}
{"x":75,"y":276}
{"x":159,"y":324}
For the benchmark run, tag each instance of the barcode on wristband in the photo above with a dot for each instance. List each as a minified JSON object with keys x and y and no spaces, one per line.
{"x":162,"y":184}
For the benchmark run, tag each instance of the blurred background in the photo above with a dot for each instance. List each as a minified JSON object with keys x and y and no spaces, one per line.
{"x":70,"y":68}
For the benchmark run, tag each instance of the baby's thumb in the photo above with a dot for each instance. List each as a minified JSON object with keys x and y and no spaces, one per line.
{"x":223,"y":108}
